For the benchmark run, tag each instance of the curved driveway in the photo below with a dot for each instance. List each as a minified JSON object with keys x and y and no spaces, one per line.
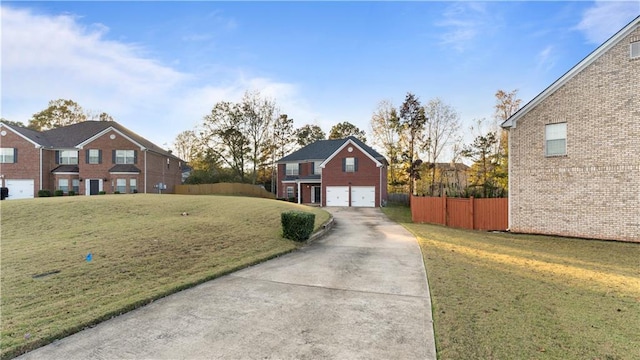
{"x":358,"y":292}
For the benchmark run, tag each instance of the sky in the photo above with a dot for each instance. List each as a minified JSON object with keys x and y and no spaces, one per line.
{"x":159,"y":67}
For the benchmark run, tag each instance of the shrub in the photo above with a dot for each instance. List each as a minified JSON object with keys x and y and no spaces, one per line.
{"x":102,"y":192}
{"x":297,"y":225}
{"x":44,"y":193}
{"x":72,"y":193}
{"x":58,"y":193}
{"x":116,"y":192}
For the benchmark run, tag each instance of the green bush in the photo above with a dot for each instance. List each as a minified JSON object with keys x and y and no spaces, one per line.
{"x":58,"y":193}
{"x":102,"y":192}
{"x":297,"y":225}
{"x":72,"y":193}
{"x":116,"y":192}
{"x":44,"y":193}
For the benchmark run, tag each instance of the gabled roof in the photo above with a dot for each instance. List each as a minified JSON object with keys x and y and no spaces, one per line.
{"x":79,"y":134}
{"x":593,"y":56}
{"x":124,"y":168}
{"x":323,"y":149}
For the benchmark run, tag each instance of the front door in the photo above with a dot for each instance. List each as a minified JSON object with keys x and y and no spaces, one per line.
{"x":315,"y":194}
{"x":94,"y":187}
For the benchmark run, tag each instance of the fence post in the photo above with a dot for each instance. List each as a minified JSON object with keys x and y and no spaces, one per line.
{"x":473,"y":208}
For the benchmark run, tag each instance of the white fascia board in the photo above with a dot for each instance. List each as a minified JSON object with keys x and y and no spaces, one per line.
{"x":35,"y":144}
{"x":324,"y":163}
{"x":593,"y":56}
{"x":104,"y":132}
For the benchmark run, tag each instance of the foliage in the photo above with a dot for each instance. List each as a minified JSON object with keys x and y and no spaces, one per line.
{"x":186,"y":145}
{"x":483,"y":177}
{"x":346,"y":129}
{"x":102,"y":193}
{"x":62,"y":112}
{"x":297,"y":225}
{"x":259,"y":114}
{"x":44,"y":193}
{"x":385,"y":127}
{"x":58,"y":193}
{"x":71,"y":193}
{"x":412,"y":120}
{"x":308,"y":134}
{"x":14,"y":123}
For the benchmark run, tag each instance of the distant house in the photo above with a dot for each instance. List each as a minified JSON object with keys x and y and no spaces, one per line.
{"x":86,"y":158}
{"x":451,"y":178}
{"x":343,"y":172}
{"x":574,"y":150}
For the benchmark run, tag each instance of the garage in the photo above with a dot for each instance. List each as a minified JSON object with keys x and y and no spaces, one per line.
{"x":20,"y":189}
{"x":363,"y":196}
{"x":337,"y":196}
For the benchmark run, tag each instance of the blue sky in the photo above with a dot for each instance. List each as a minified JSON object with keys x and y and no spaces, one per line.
{"x":159,"y":67}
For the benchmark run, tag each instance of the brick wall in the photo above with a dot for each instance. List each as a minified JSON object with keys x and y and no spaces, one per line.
{"x":593,"y":191}
{"x":27,"y":166}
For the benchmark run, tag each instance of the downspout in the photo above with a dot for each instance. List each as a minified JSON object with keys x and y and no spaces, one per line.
{"x":40,"y":185}
{"x":509,"y":184}
{"x":145,"y":170}
{"x":380,"y":188}
{"x":299,"y":197}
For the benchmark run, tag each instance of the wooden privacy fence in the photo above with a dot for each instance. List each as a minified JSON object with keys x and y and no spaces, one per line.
{"x":224,"y":189}
{"x":476,"y":214}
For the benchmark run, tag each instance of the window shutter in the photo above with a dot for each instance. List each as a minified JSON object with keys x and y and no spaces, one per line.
{"x":299,"y":169}
{"x":313,"y":167}
{"x":344,"y":164}
{"x":135,"y":156}
{"x":113,"y":156}
{"x":99,"y":156}
{"x":355,"y":164}
{"x":57,"y":156}
{"x":86,"y":156}
{"x":15,"y":155}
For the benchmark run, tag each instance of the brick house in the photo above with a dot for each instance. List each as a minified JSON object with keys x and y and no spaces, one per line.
{"x":85,"y":158}
{"x":574,"y":150}
{"x":341,"y":172}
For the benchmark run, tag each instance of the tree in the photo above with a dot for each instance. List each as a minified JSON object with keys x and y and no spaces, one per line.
{"x":345,"y":129}
{"x":412,"y":120}
{"x":442,"y":124}
{"x":60,"y":112}
{"x":309,"y":134}
{"x":280,"y":144}
{"x":481,"y":152}
{"x":385,"y":127}
{"x":223,"y":133}
{"x":14,"y":123}
{"x":186,"y":145}
{"x":258,"y":115}
{"x":506,"y":105}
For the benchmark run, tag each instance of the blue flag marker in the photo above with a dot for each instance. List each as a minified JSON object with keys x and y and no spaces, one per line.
{"x":89,"y":257}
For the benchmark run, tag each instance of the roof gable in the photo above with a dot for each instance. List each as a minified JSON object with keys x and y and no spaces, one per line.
{"x":32,"y":136}
{"x":323,"y":149}
{"x":350,"y":141}
{"x":592,"y":57}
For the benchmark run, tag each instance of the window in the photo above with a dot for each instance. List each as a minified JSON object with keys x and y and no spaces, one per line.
{"x":556,"y":139}
{"x":316,"y":168}
{"x":133,"y":185}
{"x":75,"y":184}
{"x":289,"y":192}
{"x":8,"y":155}
{"x":68,"y":157}
{"x":94,"y":156}
{"x":121,"y":185}
{"x":124,"y":156}
{"x":350,"y":164}
{"x":635,"y":49}
{"x":63,"y":184}
{"x":292,"y":169}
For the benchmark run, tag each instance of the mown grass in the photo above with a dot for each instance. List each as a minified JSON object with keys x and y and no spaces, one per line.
{"x":142,"y":249}
{"x":509,"y":296}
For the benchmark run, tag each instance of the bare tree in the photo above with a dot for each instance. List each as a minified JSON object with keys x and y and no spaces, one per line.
{"x":258,"y":115}
{"x":385,"y":127}
{"x":186,"y":145}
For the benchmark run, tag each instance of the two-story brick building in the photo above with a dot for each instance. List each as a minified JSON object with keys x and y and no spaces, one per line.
{"x":85,"y":158}
{"x":574,"y":150}
{"x":340,"y":172}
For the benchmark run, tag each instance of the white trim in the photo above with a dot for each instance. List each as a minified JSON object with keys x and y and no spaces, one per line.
{"x":40,"y":186}
{"x":145,"y":170}
{"x":593,"y":56}
{"x":349,"y":141}
{"x":66,"y":173}
{"x":299,"y":194}
{"x":124,"y":173}
{"x":104,"y":132}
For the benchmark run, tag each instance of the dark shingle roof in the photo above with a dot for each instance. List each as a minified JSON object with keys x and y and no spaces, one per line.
{"x":322,"y":149}
{"x":125,"y":168}
{"x":66,"y":168}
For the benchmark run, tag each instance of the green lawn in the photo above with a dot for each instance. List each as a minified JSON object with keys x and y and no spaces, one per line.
{"x":142,"y":249}
{"x":509,"y":296}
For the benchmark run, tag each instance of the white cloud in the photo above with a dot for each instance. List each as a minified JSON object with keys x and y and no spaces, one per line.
{"x":464,"y":23}
{"x":46,"y":57}
{"x":605,"y":18}
{"x":546,"y":59}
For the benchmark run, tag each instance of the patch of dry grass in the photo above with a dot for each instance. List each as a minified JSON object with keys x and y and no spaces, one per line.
{"x":508,"y":296}
{"x":142,"y":249}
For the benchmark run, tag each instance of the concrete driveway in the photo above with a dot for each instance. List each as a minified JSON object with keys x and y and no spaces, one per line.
{"x":360,"y":292}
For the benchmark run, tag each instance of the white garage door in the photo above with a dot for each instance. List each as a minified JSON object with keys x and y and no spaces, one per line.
{"x":337,"y":196}
{"x":363,"y":196}
{"x":20,"y":189}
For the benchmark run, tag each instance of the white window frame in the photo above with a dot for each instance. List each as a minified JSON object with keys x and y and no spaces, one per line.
{"x":634,"y":50}
{"x":317,"y":170}
{"x":125,"y":156}
{"x":94,"y":156}
{"x":75,"y":185}
{"x":290,"y":192}
{"x":121,"y":186}
{"x":63,"y":184}
{"x":555,"y":134}
{"x":133,"y":185}
{"x":350,"y":164}
{"x":7,"y":156}
{"x":68,"y":157}
{"x":292,"y":169}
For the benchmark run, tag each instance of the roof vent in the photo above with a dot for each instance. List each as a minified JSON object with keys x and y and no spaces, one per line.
{"x":635,"y":49}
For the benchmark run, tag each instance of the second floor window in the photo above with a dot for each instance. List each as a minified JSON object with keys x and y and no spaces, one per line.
{"x":556,"y":139}
{"x":8,"y":156}
{"x":350,"y":164}
{"x":124,"y":156}
{"x":292,"y":169}
{"x":94,"y":156}
{"x":68,"y":157}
